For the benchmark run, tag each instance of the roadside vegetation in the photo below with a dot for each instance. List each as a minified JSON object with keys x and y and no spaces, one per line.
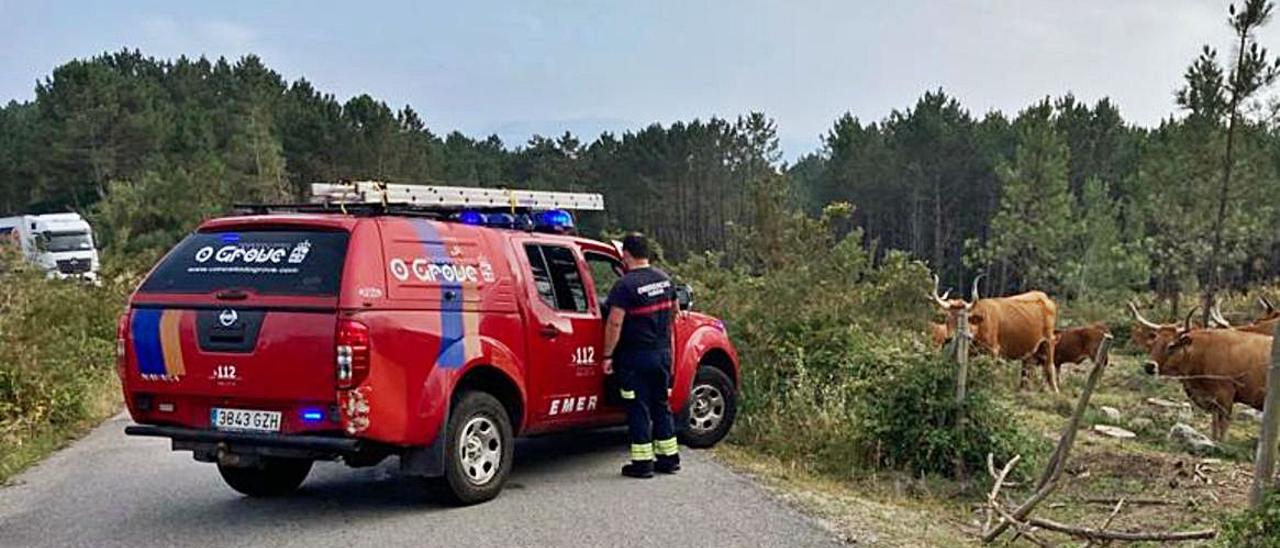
{"x":821,"y":268}
{"x":57,"y":378}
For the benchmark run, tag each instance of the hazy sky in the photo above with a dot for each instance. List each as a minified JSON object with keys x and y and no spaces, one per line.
{"x":532,"y":66}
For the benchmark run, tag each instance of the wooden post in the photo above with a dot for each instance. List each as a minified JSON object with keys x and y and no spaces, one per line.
{"x":1059,"y":458}
{"x":962,"y":374}
{"x":1265,"y":462}
{"x":962,"y":354}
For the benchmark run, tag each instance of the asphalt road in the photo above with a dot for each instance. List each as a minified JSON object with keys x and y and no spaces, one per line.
{"x":113,"y":490}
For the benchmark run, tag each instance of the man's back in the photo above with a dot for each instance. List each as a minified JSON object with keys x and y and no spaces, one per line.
{"x":647,"y":296}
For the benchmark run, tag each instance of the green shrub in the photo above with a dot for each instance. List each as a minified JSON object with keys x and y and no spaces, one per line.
{"x":1253,"y":528}
{"x":837,"y":372}
{"x":911,"y":415}
{"x":58,"y":339}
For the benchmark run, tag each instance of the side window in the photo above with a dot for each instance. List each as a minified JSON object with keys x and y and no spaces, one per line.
{"x":556,"y":275}
{"x":571,"y":291}
{"x":605,"y":271}
{"x":541,"y":277}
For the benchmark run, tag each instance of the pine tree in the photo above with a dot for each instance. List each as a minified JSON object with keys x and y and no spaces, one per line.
{"x":1031,"y":230}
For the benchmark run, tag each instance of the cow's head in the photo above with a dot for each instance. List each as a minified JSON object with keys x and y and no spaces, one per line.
{"x":952,"y":307}
{"x":1144,"y":334}
{"x":1169,"y":348}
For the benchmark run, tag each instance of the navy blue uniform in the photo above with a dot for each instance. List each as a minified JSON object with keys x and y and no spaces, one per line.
{"x":642,"y":360}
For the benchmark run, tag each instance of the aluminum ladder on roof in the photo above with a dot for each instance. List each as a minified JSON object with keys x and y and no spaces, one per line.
{"x":428,"y":196}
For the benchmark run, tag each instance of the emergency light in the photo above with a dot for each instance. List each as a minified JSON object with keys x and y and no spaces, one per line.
{"x":470,"y":217}
{"x":557,"y":220}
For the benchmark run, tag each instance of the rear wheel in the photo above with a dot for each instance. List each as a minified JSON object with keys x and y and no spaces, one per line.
{"x":479,"y":449}
{"x":276,"y":477}
{"x":711,"y":409}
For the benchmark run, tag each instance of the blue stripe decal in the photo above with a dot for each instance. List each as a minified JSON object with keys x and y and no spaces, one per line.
{"x":146,"y":341}
{"x":452,"y":354}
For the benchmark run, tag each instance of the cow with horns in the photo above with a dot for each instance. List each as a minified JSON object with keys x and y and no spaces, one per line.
{"x":1018,"y":327}
{"x":1263,"y":325}
{"x":1217,"y":367}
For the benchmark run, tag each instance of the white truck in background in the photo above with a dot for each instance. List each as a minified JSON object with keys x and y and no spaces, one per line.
{"x":60,"y":244}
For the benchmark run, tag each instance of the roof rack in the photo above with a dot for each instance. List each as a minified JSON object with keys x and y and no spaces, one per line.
{"x":451,"y":197}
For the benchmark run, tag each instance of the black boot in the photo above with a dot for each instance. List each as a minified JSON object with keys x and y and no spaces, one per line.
{"x":667,"y":464}
{"x":638,"y":469}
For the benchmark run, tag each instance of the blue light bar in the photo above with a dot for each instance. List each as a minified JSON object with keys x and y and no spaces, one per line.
{"x":229,"y":237}
{"x":553,"y":219}
{"x":500,"y":220}
{"x":470,"y":217}
{"x":312,"y":415}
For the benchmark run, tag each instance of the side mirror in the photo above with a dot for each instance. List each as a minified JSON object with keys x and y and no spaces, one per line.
{"x":684,"y":296}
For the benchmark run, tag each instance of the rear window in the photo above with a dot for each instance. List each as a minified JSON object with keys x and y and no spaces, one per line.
{"x":270,"y":262}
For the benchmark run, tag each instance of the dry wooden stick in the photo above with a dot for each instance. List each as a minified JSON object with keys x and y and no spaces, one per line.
{"x":1130,"y":502}
{"x":1099,"y":534}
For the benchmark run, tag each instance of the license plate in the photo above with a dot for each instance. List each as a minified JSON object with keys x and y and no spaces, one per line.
{"x":245,"y":419}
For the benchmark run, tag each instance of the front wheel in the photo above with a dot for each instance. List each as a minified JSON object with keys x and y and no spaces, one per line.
{"x":274,"y":478}
{"x":479,"y":449}
{"x":711,"y":409}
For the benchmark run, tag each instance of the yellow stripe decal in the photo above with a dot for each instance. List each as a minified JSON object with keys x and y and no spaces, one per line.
{"x":171,"y":343}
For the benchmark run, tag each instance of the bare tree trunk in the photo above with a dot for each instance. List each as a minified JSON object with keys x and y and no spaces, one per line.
{"x":1215,"y":254}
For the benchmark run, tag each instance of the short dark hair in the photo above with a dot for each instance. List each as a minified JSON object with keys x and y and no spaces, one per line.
{"x":637,"y":245}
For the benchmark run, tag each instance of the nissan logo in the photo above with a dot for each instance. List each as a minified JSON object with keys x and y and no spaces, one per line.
{"x":228,"y":317}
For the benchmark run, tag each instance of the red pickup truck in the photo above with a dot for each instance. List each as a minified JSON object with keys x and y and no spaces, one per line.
{"x":265,"y":342}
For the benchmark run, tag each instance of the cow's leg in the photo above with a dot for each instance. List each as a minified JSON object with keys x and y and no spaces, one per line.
{"x":1050,"y":369}
{"x":1222,"y":415}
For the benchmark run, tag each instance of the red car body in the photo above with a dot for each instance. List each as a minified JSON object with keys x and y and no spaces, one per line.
{"x":422,"y":309}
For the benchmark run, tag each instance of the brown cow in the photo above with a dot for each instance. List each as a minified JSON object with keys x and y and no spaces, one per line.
{"x":1264,"y":325}
{"x":1217,"y":368}
{"x":1077,"y":344}
{"x":1018,"y":327}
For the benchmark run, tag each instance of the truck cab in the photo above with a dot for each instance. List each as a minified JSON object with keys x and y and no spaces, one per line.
{"x":265,"y":342}
{"x":60,"y":244}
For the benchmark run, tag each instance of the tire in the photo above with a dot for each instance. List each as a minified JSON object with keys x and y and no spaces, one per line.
{"x":275,"y":478}
{"x":711,"y":409}
{"x":479,"y":433}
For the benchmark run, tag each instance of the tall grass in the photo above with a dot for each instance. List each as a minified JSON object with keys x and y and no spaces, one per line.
{"x":57,"y":356}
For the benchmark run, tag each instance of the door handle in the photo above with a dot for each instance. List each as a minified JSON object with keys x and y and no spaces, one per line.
{"x":549,"y":331}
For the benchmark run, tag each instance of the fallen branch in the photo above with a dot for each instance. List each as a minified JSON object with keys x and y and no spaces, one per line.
{"x":1130,"y":502}
{"x":1101,"y":534}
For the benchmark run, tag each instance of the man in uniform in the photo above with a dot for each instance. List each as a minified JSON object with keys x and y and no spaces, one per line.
{"x":637,"y":337}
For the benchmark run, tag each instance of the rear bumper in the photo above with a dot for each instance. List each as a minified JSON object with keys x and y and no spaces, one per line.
{"x":185,"y":437}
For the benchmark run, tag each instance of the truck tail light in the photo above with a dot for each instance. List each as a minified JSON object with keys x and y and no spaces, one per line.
{"x":122,"y":342}
{"x":353,"y":353}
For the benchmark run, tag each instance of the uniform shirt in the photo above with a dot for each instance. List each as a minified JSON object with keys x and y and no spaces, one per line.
{"x":648,"y":297}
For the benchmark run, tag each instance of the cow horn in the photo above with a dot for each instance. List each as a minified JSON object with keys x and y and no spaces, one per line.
{"x":1138,"y":316}
{"x":941,"y":300}
{"x":1266,"y":303}
{"x":974,"y":295}
{"x":1186,"y":322}
{"x":1216,"y":315}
